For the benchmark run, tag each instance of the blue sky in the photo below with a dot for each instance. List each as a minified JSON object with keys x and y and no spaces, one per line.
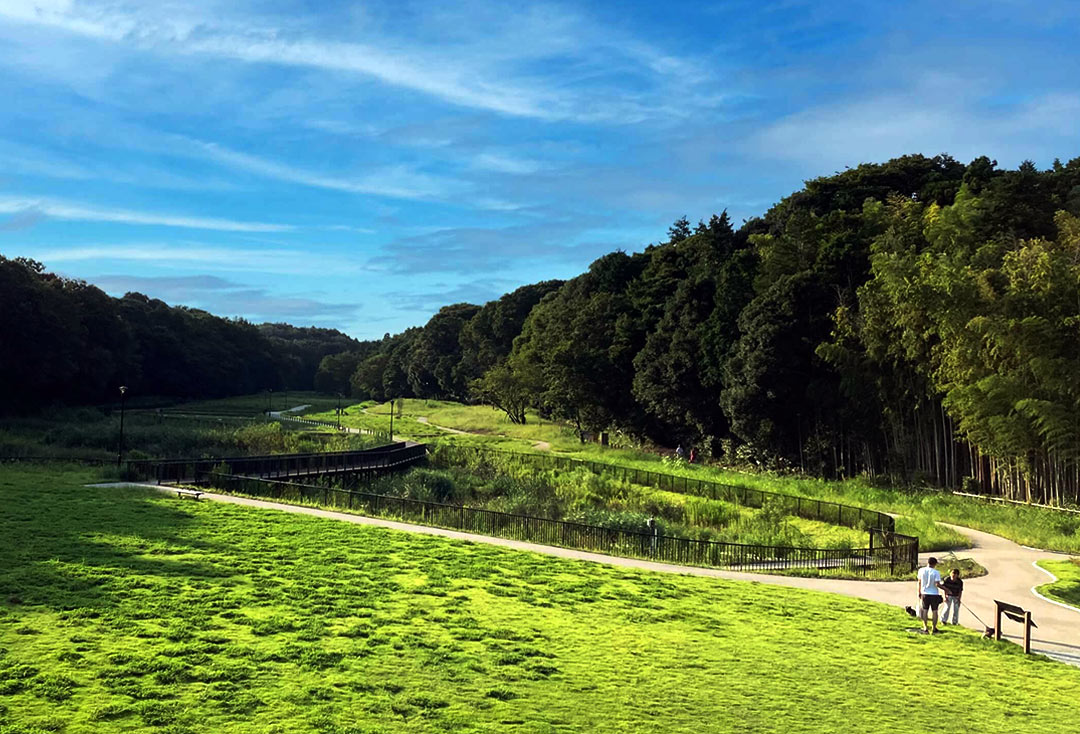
{"x":359,"y":165}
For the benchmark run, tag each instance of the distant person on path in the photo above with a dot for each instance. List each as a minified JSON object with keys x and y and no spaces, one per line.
{"x":693,"y":454}
{"x":954,"y":589}
{"x":929,"y":593}
{"x":680,"y":452}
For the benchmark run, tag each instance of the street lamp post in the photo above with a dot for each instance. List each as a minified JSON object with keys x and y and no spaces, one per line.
{"x":391,"y":420}
{"x":270,"y":401}
{"x":339,"y":411}
{"x":120,"y":448}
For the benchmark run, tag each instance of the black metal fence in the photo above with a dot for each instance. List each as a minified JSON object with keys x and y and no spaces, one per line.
{"x":381,"y":435}
{"x":369,"y":462}
{"x":806,"y":507}
{"x":888,"y":555}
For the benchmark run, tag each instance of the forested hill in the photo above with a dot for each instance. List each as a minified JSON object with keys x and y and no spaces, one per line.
{"x":65,"y":341}
{"x":918,"y":318}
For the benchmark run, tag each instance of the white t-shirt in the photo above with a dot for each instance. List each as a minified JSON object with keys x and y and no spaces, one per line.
{"x":928,"y":580}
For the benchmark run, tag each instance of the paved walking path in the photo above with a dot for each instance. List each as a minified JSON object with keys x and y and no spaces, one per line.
{"x":1012,"y":575}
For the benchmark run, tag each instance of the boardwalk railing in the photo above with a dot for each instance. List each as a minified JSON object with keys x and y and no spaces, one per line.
{"x":276,"y":466}
{"x":889,"y":553}
{"x":806,"y":507}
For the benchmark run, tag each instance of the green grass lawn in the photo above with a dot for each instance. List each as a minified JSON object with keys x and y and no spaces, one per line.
{"x":1067,"y":588}
{"x":128,"y":610}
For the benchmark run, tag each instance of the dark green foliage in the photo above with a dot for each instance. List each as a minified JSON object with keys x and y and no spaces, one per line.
{"x":65,"y":341}
{"x":487,"y":338}
{"x":436,"y":352}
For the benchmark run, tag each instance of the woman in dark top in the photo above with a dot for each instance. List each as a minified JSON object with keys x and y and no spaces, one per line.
{"x":954,"y":589}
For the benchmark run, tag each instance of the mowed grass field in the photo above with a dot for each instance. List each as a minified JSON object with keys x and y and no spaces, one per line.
{"x":130,"y":610}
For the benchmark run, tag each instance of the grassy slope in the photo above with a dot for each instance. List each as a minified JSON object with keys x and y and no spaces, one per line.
{"x":1067,"y":588}
{"x":125,"y":610}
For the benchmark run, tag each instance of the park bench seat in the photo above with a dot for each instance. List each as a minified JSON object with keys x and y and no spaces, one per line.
{"x":192,"y":493}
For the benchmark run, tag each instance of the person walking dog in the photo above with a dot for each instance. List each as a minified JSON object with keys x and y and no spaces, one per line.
{"x":930,"y":587}
{"x":954,"y":589}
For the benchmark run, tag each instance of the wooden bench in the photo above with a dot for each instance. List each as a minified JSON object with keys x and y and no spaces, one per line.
{"x":1016,"y":614}
{"x":192,"y":493}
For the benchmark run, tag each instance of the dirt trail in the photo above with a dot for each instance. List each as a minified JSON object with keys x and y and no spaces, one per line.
{"x":426,"y":422}
{"x":1012,"y":575}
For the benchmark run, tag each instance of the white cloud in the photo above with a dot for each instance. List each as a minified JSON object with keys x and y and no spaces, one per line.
{"x":56,"y":209}
{"x":482,"y":56}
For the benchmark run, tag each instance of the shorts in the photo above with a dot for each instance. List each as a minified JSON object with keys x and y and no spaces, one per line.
{"x":931,"y":601}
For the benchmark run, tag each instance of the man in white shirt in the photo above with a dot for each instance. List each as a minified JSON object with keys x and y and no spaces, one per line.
{"x":930,"y":587}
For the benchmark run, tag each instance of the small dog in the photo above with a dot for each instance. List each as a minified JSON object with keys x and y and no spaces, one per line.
{"x":988,"y":632}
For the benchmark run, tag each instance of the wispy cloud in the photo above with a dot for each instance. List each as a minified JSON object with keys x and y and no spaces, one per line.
{"x":25,"y":160}
{"x":398,"y":181}
{"x":504,"y":163}
{"x":55,"y":209}
{"x":228,"y":298}
{"x":205,"y":257}
{"x":438,"y":295}
{"x":492,"y":67}
{"x":468,"y":250}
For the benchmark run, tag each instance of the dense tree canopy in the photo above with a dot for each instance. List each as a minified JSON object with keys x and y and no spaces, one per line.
{"x":66,"y":341}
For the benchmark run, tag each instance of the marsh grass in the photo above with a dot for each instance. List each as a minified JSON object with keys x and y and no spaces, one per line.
{"x":920,"y":508}
{"x":128,"y":610}
{"x":577,"y":495}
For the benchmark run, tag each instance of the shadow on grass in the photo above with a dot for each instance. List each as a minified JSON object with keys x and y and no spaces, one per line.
{"x":66,"y":553}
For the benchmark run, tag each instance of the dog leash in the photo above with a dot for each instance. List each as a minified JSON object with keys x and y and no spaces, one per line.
{"x":973,"y":614}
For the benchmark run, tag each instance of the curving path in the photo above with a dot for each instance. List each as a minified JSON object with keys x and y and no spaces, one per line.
{"x":1011,"y":576}
{"x":426,"y":422}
